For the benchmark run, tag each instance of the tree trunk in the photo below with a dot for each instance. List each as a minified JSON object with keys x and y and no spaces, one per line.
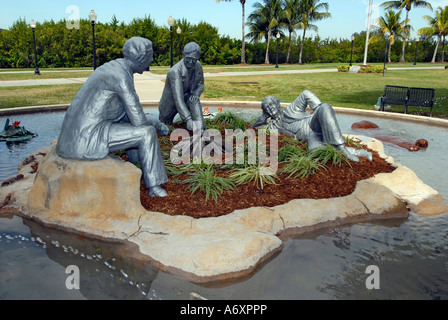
{"x":289,"y":48}
{"x":405,"y":36}
{"x":389,"y":50}
{"x":266,"y":59}
{"x":436,"y":49}
{"x":443,"y":49}
{"x":243,"y":48}
{"x":301,"y":46}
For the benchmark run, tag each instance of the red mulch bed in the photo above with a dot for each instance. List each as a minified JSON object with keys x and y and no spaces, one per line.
{"x":333,"y":182}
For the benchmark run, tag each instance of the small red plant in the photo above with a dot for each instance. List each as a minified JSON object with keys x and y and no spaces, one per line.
{"x":16,"y":124}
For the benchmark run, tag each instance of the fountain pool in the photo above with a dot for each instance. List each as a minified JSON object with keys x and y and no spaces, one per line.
{"x":411,"y":254}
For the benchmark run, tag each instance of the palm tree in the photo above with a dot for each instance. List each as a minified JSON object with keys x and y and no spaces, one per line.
{"x":408,"y":4}
{"x":292,"y":19}
{"x":310,"y":12}
{"x":391,"y":23}
{"x":243,"y":47}
{"x":438,"y":26}
{"x":263,"y":21}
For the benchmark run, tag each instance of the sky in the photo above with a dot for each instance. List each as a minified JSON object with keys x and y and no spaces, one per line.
{"x":348,"y":16}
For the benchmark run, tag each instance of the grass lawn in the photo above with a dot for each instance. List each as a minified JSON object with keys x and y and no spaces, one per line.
{"x":338,"y":89}
{"x":12,"y":97}
{"x":238,"y":68}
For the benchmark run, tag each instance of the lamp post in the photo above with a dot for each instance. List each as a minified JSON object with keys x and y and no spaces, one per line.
{"x":178,"y":40}
{"x":351,"y":55}
{"x":278,"y":38}
{"x":92,"y":18}
{"x":416,"y":47}
{"x":33,"y":27}
{"x":386,"y":36}
{"x":171,"y":24}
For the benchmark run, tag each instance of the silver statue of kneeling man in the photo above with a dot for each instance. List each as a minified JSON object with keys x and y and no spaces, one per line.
{"x":319,"y":128}
{"x":183,"y":88}
{"x":106,"y":116}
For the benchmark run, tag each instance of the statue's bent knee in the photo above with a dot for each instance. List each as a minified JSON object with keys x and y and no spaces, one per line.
{"x":325,"y":108}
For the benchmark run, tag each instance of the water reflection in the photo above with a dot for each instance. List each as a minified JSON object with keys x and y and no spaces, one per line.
{"x":108,"y":270}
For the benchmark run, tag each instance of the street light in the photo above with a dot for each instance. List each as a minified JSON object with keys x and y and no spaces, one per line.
{"x":351,"y":55}
{"x":171,"y":24}
{"x":178,"y":40}
{"x":416,"y":46}
{"x":33,"y":27}
{"x":278,"y":37}
{"x":386,"y":36}
{"x":92,"y":18}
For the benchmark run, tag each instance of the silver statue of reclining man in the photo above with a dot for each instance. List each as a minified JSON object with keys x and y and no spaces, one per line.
{"x":316,"y":129}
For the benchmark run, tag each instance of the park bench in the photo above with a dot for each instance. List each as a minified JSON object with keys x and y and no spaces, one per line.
{"x":408,"y":96}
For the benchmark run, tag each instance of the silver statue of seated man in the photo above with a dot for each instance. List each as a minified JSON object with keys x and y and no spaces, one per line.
{"x":316,"y":129}
{"x":106,"y":116}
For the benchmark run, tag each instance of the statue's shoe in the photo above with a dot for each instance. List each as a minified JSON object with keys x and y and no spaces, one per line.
{"x":364,"y":153}
{"x":157,"y":191}
{"x":348,"y":152}
{"x":353,"y":154}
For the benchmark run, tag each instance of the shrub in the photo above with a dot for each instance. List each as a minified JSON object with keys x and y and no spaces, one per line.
{"x":289,"y":150}
{"x":329,"y":154}
{"x":207,"y":181}
{"x":258,"y":174}
{"x":353,"y":142}
{"x":370,"y":69}
{"x":227,"y":120}
{"x":302,"y":166}
{"x":343,"y":68}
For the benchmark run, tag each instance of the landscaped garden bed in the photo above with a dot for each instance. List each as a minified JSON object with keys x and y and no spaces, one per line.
{"x":209,"y":190}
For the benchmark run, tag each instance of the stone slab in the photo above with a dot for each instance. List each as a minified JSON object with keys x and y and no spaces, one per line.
{"x":354,"y":69}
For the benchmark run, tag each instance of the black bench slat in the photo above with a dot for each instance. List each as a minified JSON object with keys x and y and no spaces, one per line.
{"x":421,"y":96}
{"x":408,"y":96}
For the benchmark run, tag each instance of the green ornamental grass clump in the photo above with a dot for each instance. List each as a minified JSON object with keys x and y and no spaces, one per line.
{"x":302,"y":166}
{"x":329,"y":154}
{"x":226,"y":120}
{"x":206,"y":180}
{"x":257,"y":174}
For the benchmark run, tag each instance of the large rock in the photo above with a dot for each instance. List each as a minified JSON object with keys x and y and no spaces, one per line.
{"x":364,"y":124}
{"x":355,"y":69}
{"x":101,"y":198}
{"x":420,"y":197}
{"x":93,"y":196}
